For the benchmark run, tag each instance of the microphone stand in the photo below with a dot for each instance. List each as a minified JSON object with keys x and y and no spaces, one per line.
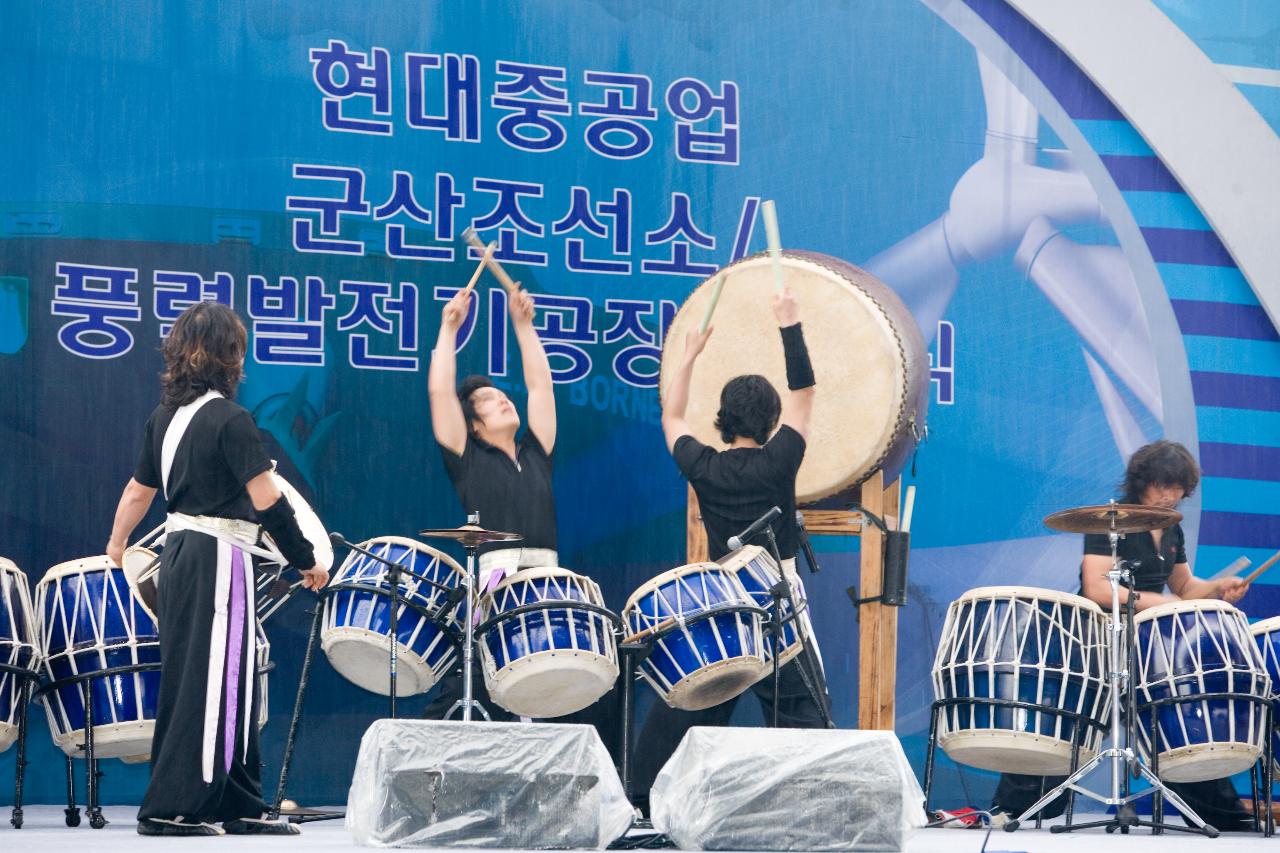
{"x":779,"y":591}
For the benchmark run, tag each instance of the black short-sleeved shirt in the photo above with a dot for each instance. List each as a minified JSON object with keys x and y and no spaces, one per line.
{"x":1151,"y":571}
{"x":512,"y":496}
{"x":220,"y":452}
{"x":738,"y":485}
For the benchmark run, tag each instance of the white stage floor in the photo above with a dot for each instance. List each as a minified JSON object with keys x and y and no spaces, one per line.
{"x":44,"y":831}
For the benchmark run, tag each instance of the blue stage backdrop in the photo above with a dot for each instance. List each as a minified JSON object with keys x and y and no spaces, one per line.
{"x":314,"y":165}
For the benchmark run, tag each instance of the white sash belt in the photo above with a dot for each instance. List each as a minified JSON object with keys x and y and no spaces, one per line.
{"x":234,"y":531}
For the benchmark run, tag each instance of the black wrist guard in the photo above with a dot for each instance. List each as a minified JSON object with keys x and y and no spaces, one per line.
{"x":279,"y":521}
{"x":799,"y":370}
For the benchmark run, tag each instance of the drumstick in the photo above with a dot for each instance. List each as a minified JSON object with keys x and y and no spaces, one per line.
{"x":711,"y":308}
{"x":1236,"y":567}
{"x":473,"y":239}
{"x":475,"y":276}
{"x":1253,"y":576}
{"x":770,"y":215}
{"x":905,"y":526}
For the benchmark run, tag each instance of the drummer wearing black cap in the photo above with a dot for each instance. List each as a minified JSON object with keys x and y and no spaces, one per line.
{"x":1160,"y":474}
{"x":735,"y":487}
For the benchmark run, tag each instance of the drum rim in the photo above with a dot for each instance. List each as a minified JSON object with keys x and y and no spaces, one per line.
{"x":669,"y":575}
{"x":414,"y":544}
{"x":1265,"y":626}
{"x":535,"y":572}
{"x":1007,"y":591}
{"x":910,"y":407}
{"x":1186,"y":605}
{"x":80,"y":565}
{"x":738,"y":561}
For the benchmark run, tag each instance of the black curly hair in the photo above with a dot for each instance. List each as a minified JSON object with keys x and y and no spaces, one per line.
{"x":1161,"y":463}
{"x":749,"y":407}
{"x":204,"y":351}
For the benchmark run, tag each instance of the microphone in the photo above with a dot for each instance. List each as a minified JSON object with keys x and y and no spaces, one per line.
{"x":754,"y":530}
{"x":803,"y":536}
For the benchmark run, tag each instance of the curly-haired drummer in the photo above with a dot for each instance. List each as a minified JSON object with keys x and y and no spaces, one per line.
{"x":205,"y":452}
{"x":1160,"y":474}
{"x":734,"y":487}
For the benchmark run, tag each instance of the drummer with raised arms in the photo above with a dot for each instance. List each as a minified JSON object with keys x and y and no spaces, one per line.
{"x":1160,"y":474}
{"x":205,"y":452}
{"x":736,"y":486}
{"x":503,"y":476}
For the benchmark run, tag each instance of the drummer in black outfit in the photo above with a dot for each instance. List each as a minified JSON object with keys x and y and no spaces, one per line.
{"x":216,"y":476}
{"x":735,"y":487}
{"x":504,"y":478}
{"x":507,"y":479}
{"x":1159,"y":474}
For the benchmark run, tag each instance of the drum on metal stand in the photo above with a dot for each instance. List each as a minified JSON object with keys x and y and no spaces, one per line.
{"x":357,"y":608}
{"x":758,"y":573}
{"x":1267,"y":635}
{"x":19,"y":654}
{"x":705,"y":633}
{"x":92,"y":624}
{"x":1199,"y":646}
{"x":1039,"y":647}
{"x":547,"y":643}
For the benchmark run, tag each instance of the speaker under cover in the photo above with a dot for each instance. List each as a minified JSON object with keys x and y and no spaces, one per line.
{"x":421,"y":783}
{"x":787,"y":789}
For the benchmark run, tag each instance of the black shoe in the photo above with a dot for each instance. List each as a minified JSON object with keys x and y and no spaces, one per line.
{"x":158,"y":826}
{"x":259,"y":826}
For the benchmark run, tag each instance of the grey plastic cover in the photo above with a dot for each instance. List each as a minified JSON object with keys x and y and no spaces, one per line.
{"x":424,"y":783}
{"x":787,"y":789}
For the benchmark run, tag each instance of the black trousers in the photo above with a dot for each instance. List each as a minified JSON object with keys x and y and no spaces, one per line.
{"x":1215,"y":801}
{"x":204,"y":753}
{"x":665,"y":726}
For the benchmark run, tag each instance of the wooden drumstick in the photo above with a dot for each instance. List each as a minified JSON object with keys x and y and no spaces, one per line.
{"x":905,"y":526}
{"x":508,"y":284}
{"x":1253,"y":576}
{"x":475,"y":276}
{"x":711,"y":308}
{"x":1235,"y":567}
{"x":770,"y":215}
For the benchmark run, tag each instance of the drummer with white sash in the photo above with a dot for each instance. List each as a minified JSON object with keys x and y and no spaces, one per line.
{"x":735,"y":487}
{"x":1160,"y":474}
{"x":205,"y":452}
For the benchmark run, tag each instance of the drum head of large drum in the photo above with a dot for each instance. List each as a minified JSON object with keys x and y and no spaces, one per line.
{"x":868,"y":357}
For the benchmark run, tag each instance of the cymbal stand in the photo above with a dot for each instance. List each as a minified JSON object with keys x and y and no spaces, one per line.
{"x":468,"y":702}
{"x":1121,"y":753}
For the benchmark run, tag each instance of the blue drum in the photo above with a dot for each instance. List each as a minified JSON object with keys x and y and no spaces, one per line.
{"x":90,"y":621}
{"x":1267,"y":635}
{"x":1201,"y":646}
{"x":1038,"y":646}
{"x":17,"y":647}
{"x":546,"y":662}
{"x":697,"y":664}
{"x":357,"y":617}
{"x":758,"y":573}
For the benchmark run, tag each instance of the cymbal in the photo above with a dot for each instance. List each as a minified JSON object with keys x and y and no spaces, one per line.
{"x":468,"y":535}
{"x":1128,"y":518}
